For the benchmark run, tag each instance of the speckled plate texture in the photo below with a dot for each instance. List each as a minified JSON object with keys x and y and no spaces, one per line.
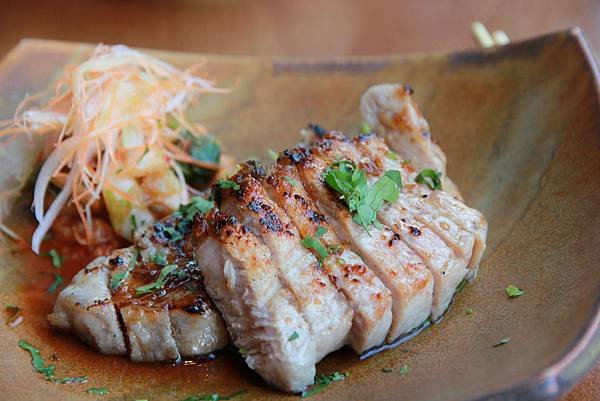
{"x":520,"y":125}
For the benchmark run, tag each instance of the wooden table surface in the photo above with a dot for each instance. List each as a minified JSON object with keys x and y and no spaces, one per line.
{"x":299,"y":28}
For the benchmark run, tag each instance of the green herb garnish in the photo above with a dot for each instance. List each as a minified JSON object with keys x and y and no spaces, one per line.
{"x":173,"y":233}
{"x":158,"y":284}
{"x":461,"y":285}
{"x":243,"y":351}
{"x":215,"y":396}
{"x":322,"y":381}
{"x":160,"y":258}
{"x":57,"y":281}
{"x":430,"y":177}
{"x":311,"y":242}
{"x":502,"y":342}
{"x":469,"y":310}
{"x":365,"y":128}
{"x":273,"y":155}
{"x":292,"y":182}
{"x":392,"y":155}
{"x":294,"y":336}
{"x":37,"y":361}
{"x":387,"y":370}
{"x":514,"y":292}
{"x":363,"y":201}
{"x":133,"y":222}
{"x":202,"y":148}
{"x":227,"y":184}
{"x":197,"y":205}
{"x":403,"y":370}
{"x":97,"y":390}
{"x":55,"y":257}
{"x":117,"y":279}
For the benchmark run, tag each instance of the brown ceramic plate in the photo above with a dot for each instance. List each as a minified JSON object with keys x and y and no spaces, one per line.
{"x":521,"y":127}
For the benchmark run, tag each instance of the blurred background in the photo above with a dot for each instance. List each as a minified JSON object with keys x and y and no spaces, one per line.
{"x":285,"y":27}
{"x":298,"y":28}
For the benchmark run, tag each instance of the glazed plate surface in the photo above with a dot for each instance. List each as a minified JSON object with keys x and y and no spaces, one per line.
{"x":520,"y":125}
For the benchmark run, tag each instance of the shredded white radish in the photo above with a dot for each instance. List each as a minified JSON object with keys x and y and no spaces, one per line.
{"x":107,"y":114}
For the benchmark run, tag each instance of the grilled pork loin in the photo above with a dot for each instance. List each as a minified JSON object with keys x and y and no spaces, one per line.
{"x":113,"y":304}
{"x":285,"y":261}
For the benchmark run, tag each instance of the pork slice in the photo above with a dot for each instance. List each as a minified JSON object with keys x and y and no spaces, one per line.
{"x":391,"y":111}
{"x":463,"y":228}
{"x":326,"y":311}
{"x":260,"y":313}
{"x":85,"y":307}
{"x":366,"y":294}
{"x":396,"y":265}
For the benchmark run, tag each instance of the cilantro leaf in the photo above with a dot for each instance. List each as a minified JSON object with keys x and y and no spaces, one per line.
{"x":214,"y":397}
{"x":273,"y":155}
{"x":363,"y":201}
{"x":37,"y":361}
{"x":311,"y":242}
{"x":469,"y":310}
{"x":292,"y":182}
{"x":365,"y":128}
{"x":202,"y":148}
{"x":322,"y":381}
{"x":227,"y":184}
{"x":158,"y":284}
{"x":117,"y":279}
{"x":197,"y":205}
{"x":56,"y":283}
{"x":97,"y":390}
{"x":430,"y":177}
{"x":55,"y":257}
{"x":294,"y":336}
{"x":514,"y":292}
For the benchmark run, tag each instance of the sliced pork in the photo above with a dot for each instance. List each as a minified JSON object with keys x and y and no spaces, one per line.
{"x":326,"y":311}
{"x":262,"y":315}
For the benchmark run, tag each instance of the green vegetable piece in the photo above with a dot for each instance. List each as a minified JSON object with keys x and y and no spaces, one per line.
{"x":469,"y":310}
{"x":160,"y":258}
{"x":56,"y":283}
{"x":365,"y":128}
{"x":431,"y":178}
{"x":392,"y":155}
{"x":55,"y":257}
{"x":117,"y":279}
{"x":514,"y":292}
{"x":227,"y":184}
{"x":311,"y":242}
{"x":202,"y":148}
{"x":294,"y":336}
{"x":97,"y":390}
{"x":273,"y":155}
{"x":197,"y":205}
{"x":403,"y":370}
{"x":173,"y":233}
{"x":322,"y":381}
{"x":215,"y":397}
{"x":292,"y":182}
{"x":158,"y":284}
{"x":37,"y":361}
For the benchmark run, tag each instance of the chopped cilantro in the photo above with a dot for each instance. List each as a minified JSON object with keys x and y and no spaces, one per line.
{"x":387,"y":370}
{"x":214,"y":396}
{"x":197,"y":205}
{"x":365,"y":128}
{"x":363,"y":201}
{"x":133,"y":222}
{"x":57,"y":281}
{"x":294,"y":336}
{"x":55,"y":257}
{"x":322,"y":381}
{"x":341,"y":261}
{"x":243,"y":351}
{"x":117,"y":279}
{"x":469,"y":310}
{"x":97,"y":390}
{"x":173,"y":233}
{"x":505,"y":340}
{"x":311,"y":242}
{"x":227,"y":184}
{"x":70,"y":380}
{"x":392,"y":155}
{"x":403,"y":370}
{"x":430,"y":177}
{"x":273,"y":155}
{"x":202,"y":148}
{"x":160,"y":258}
{"x":158,"y":284}
{"x":292,"y":182}
{"x":334,"y":248}
{"x":37,"y":361}
{"x":514,"y":292}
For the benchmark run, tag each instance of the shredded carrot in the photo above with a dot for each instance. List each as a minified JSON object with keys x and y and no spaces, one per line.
{"x":117,"y":90}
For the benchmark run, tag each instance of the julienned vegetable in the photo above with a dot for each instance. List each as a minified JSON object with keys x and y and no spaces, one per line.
{"x":117,"y":133}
